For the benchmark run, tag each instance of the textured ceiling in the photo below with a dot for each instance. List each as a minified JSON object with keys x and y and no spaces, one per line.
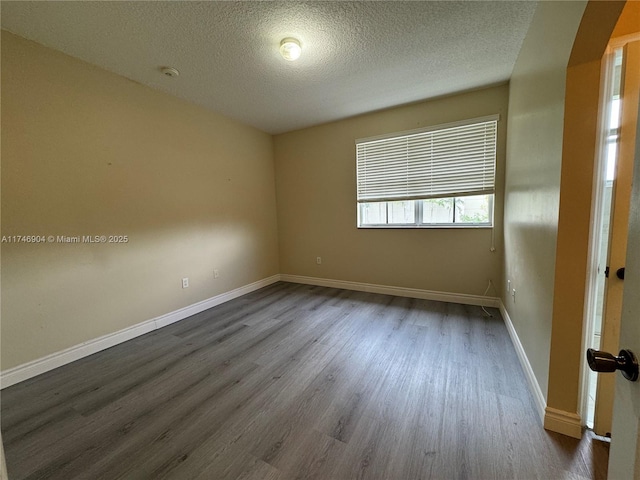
{"x":357,"y":56}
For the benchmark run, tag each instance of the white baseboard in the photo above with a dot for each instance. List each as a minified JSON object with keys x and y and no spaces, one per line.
{"x":534,"y":387}
{"x":58,"y":359}
{"x":555,"y":420}
{"x":397,"y":291}
{"x":563,"y":422}
{"x":41,"y":365}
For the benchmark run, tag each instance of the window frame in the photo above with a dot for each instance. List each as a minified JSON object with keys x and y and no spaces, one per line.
{"x":418,"y":223}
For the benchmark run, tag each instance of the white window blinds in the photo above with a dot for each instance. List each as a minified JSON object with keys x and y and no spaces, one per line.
{"x":445,"y":161}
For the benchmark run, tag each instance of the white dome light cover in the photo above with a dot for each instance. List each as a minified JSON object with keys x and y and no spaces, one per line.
{"x":290,"y":49}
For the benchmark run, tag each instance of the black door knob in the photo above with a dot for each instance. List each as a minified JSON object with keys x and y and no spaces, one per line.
{"x":603,"y":362}
{"x":620,"y":273}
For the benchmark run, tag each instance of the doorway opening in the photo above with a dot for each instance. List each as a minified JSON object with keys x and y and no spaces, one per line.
{"x":602,"y":214}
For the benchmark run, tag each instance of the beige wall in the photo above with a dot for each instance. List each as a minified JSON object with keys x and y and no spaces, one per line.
{"x":532,"y":185}
{"x":316,"y":192}
{"x":87,"y":152}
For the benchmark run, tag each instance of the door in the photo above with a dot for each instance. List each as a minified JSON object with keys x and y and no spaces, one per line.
{"x":624,"y":457}
{"x":629,"y":88}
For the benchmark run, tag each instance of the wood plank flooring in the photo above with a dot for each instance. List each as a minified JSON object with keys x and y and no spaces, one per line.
{"x":296,"y":382}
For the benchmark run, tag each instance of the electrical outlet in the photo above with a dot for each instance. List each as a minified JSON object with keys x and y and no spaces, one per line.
{"x":319,"y":260}
{"x":216,"y":273}
{"x":185,"y":282}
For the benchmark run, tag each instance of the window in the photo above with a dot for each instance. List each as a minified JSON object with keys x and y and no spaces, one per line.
{"x":443,"y":176}
{"x":614,"y":120}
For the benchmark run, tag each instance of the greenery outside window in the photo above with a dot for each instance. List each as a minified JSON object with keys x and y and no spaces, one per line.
{"x":443,"y":176}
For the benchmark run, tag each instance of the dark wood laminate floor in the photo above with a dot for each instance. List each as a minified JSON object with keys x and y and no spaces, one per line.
{"x":296,"y":382}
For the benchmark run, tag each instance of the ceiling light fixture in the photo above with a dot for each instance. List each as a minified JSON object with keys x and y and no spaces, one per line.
{"x":290,"y":49}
